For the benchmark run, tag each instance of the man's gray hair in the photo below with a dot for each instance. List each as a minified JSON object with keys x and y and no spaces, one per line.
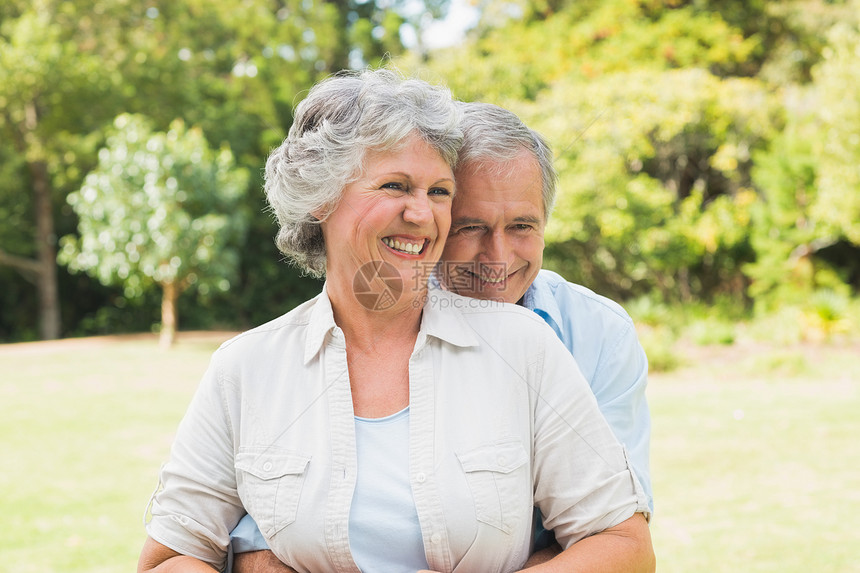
{"x":494,"y":134}
{"x":335,"y":126}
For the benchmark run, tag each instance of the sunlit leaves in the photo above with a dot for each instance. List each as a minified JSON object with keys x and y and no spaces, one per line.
{"x":654,"y":175}
{"x":838,"y":84}
{"x":161,"y":207}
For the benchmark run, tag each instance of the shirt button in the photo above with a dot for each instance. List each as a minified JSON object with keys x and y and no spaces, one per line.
{"x":267,"y":466}
{"x":421,"y":477}
{"x":501,"y":460}
{"x":435,"y":538}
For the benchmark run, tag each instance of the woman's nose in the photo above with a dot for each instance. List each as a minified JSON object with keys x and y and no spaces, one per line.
{"x":418,"y":209}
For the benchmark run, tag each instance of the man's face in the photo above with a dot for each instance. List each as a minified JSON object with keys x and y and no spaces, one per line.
{"x":495,"y":247}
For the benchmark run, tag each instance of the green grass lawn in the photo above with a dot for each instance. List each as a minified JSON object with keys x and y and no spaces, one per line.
{"x":754,"y":454}
{"x":755,"y":461}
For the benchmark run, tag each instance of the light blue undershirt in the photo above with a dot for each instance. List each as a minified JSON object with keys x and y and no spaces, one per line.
{"x":384,"y":533}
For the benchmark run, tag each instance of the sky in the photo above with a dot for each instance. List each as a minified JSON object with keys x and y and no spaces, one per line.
{"x":441,"y":34}
{"x":447,"y":32}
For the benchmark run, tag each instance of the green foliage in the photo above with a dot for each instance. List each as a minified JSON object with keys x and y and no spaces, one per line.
{"x":825,"y":315}
{"x":233,"y":68}
{"x":713,"y":331}
{"x":660,"y":345}
{"x":707,"y":149}
{"x":690,"y":147}
{"x":810,"y":185}
{"x":654,"y":180}
{"x":785,"y":234}
{"x":794,"y":35}
{"x":515,"y":58}
{"x":838,"y":82}
{"x":159,"y":208}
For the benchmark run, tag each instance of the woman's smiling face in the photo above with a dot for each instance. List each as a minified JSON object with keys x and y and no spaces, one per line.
{"x":398,"y":212}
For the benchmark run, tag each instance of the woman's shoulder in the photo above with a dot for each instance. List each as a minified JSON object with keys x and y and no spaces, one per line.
{"x":290,"y":323}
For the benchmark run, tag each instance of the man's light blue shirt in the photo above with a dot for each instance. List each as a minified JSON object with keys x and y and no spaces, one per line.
{"x":602,"y":338}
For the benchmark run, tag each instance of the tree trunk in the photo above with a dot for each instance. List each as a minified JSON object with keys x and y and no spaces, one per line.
{"x":169,"y":321}
{"x":46,"y":250}
{"x":42,"y":271}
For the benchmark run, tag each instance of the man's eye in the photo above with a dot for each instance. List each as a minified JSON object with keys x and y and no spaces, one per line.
{"x":522,"y":227}
{"x":469,"y":229}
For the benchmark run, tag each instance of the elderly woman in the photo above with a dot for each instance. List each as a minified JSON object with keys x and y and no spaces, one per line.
{"x":379,"y":426}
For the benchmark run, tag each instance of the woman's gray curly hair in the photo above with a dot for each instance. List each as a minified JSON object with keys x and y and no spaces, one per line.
{"x":342,"y":118}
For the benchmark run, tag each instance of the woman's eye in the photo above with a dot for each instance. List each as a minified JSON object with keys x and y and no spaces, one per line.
{"x":393,"y":185}
{"x":440,"y":191}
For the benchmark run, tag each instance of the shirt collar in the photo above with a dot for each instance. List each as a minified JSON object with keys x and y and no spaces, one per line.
{"x":320,"y":323}
{"x":539,"y":298}
{"x":440,"y":319}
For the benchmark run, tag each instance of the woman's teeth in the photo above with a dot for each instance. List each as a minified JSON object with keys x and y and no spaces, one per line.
{"x":404,"y":246}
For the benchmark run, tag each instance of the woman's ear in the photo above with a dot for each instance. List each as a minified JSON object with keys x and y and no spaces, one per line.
{"x":321,"y":214}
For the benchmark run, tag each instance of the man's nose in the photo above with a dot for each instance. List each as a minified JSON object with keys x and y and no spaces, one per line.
{"x":497,"y":249}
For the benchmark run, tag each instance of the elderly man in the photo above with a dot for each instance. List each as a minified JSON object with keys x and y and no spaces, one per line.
{"x":506,"y":186}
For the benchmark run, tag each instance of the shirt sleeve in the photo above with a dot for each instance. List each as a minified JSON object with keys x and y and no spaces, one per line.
{"x":602,"y":338}
{"x":198,"y":503}
{"x":583,"y":481}
{"x":619,"y":385}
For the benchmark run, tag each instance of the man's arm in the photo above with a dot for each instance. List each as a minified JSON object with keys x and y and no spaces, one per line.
{"x":543,"y":555}
{"x":251,"y":554}
{"x":628,"y":544}
{"x":158,"y":558}
{"x":266,"y":562}
{"x":259,"y":562}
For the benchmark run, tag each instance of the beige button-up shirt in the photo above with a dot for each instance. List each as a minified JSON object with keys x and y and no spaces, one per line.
{"x":496,"y":427}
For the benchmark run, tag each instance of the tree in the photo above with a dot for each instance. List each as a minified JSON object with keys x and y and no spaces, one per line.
{"x":160,"y":208}
{"x":807,"y":235}
{"x":654,"y":190}
{"x":514,"y":54}
{"x":786,"y":235}
{"x":45,"y":82}
{"x":838,"y":82}
{"x":521,"y":47}
{"x":235,"y":68}
{"x":657,"y":111}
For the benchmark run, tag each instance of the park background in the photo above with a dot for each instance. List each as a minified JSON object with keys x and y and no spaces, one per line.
{"x":709,"y":161}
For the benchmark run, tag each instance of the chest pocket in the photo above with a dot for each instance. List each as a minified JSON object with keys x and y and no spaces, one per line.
{"x":270,"y":485}
{"x":498,"y":478}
